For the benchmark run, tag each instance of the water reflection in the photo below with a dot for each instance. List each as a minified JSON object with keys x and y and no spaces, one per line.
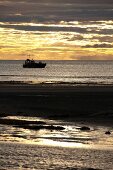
{"x":71,"y":136}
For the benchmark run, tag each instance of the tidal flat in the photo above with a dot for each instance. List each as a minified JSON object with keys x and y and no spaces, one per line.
{"x":56,"y":127}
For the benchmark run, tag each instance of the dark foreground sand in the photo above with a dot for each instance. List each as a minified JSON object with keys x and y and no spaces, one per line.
{"x":93,"y":104}
{"x":87,"y":103}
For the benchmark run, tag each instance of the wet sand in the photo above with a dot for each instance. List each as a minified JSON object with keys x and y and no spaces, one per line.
{"x":58,"y":101}
{"x":31,"y":157}
{"x":91,"y":104}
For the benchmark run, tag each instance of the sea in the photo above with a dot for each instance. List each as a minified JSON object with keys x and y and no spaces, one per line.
{"x":72,"y":71}
{"x":68,"y":149}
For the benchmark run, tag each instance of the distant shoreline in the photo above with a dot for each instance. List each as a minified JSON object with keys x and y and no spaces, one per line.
{"x":29,"y":86}
{"x":55,"y":83}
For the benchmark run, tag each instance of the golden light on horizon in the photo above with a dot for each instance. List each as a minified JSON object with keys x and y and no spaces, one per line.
{"x":89,"y":43}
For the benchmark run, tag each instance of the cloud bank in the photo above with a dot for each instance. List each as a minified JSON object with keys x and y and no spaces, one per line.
{"x":49,"y":10}
{"x":63,"y":29}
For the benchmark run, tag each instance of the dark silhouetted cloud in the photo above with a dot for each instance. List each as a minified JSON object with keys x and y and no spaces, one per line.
{"x":103,"y":45}
{"x":49,"y":10}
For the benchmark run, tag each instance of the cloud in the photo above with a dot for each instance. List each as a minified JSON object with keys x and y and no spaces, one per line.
{"x":45,"y":28}
{"x":75,"y":37}
{"x":70,"y":24}
{"x":59,"y":28}
{"x":103,"y":45}
{"x":50,"y":10}
{"x":59,"y":1}
{"x":7,"y":46}
{"x":105,"y":38}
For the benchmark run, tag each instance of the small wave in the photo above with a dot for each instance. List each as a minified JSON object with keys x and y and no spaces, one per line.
{"x":60,"y":83}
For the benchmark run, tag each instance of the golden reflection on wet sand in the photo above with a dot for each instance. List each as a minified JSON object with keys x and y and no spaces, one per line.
{"x":71,"y":136}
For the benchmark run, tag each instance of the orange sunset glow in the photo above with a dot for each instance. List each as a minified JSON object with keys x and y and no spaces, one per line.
{"x":66,"y":37}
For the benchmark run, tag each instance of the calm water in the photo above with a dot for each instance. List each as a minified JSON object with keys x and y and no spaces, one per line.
{"x":59,"y":71}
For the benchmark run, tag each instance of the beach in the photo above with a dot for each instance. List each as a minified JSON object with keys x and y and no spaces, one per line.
{"x":56,"y":85}
{"x":43,"y":122}
{"x":58,"y":101}
{"x":24,"y":157}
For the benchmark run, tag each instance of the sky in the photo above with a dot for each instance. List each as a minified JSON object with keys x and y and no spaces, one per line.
{"x":56,"y":29}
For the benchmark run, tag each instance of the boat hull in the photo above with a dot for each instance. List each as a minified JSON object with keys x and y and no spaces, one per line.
{"x":34,"y":65}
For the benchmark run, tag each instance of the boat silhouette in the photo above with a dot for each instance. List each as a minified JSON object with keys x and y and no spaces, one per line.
{"x":32,"y":64}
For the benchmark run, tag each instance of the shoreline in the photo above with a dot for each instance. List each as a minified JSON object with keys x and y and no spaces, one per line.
{"x":19,"y":85}
{"x":72,"y":83}
{"x":78,"y":103}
